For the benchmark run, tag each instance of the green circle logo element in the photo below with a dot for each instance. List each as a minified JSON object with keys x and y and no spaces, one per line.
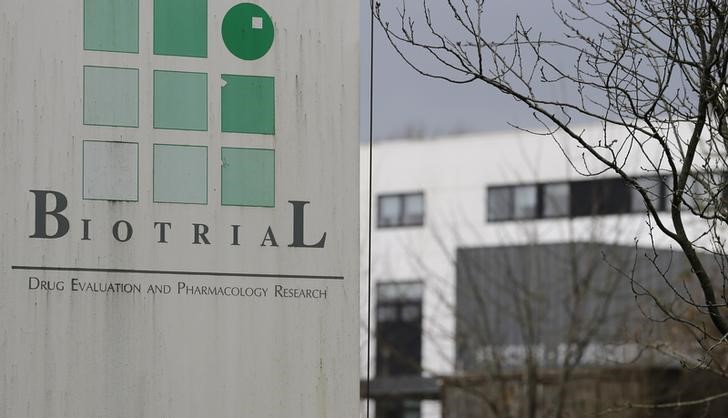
{"x":247,"y":31}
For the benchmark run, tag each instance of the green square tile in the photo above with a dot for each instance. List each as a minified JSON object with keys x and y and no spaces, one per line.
{"x":180,"y":174}
{"x":248,"y":104}
{"x":111,"y":25}
{"x":111,"y":96}
{"x":180,"y":100}
{"x":248,"y":177}
{"x":180,"y":28}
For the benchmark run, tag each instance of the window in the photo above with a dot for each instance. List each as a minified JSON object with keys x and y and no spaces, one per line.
{"x":397,"y":408}
{"x":500,"y":203}
{"x":600,"y":197}
{"x":604,"y":196}
{"x":414,"y":209}
{"x":525,"y":202}
{"x":399,"y":328}
{"x":390,"y":209}
{"x":401,"y":210}
{"x":722,"y":202}
{"x":705,"y":192}
{"x":656,"y":191}
{"x":512,"y":202}
{"x":569,"y":199}
{"x":556,"y":198}
{"x":696,"y":195}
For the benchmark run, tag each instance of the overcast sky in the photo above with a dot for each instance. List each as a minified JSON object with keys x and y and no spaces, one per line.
{"x":405,"y":102}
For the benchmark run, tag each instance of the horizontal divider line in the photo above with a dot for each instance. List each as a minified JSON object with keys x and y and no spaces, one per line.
{"x":178,"y":273}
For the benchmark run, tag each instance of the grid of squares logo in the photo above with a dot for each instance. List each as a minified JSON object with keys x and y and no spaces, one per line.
{"x":180,"y":102}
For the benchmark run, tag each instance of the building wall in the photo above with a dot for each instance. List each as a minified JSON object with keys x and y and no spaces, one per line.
{"x":453,"y":173}
{"x":607,"y":392}
{"x":560,"y":302}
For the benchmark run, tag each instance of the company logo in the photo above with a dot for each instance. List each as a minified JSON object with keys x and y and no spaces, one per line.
{"x":180,"y":171}
{"x":179,"y":102}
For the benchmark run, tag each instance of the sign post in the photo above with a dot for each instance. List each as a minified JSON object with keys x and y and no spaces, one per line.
{"x":179,"y":208}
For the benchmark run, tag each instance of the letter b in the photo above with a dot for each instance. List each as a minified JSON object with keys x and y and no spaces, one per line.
{"x":42,"y":213}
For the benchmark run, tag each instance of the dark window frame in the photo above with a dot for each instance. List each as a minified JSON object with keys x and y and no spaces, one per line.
{"x":540,"y":214}
{"x":536,"y":208}
{"x":397,"y":407}
{"x":509,"y":217}
{"x":401,"y":216}
{"x":663,"y":203}
{"x":403,"y":363}
{"x":603,"y":196}
{"x":512,"y":202}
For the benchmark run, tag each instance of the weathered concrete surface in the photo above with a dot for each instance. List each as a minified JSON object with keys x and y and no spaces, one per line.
{"x":86,"y":354}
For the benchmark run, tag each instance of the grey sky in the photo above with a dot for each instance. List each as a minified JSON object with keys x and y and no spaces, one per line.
{"x":405,"y":101}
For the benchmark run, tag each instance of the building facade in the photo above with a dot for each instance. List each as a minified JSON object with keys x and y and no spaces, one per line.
{"x":438,"y":203}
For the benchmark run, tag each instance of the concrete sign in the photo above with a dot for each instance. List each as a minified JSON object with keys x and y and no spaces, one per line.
{"x":178,"y":208}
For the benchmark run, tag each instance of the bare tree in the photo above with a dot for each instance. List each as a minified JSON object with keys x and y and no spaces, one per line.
{"x":558,"y":336}
{"x":543,"y":330}
{"x":651,"y":74}
{"x":550,"y":316}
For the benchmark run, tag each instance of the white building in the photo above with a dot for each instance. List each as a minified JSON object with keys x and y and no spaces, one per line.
{"x":431,"y":197}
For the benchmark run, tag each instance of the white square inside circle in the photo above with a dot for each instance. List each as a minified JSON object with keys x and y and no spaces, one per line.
{"x":257,"y":22}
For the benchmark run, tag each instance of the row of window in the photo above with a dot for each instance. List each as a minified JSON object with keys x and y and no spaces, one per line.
{"x":546,"y":200}
{"x":610,"y":196}
{"x":554,"y":200}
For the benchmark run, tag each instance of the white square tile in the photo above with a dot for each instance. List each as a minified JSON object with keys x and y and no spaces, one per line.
{"x":257,"y":22}
{"x":110,"y":170}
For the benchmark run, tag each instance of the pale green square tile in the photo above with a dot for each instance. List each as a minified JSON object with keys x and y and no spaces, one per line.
{"x":248,"y":177}
{"x":180,"y":100}
{"x":111,"y":96}
{"x":180,"y":174}
{"x":111,"y":25}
